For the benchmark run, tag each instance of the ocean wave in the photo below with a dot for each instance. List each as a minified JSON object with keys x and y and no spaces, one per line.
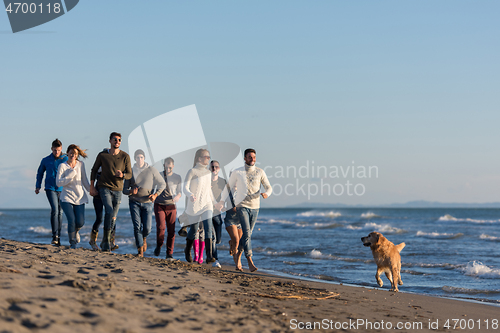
{"x":318,"y":225}
{"x":353,"y":227}
{"x":316,"y":254}
{"x":294,"y":263}
{"x":407,"y":271}
{"x":326,"y":225}
{"x":488,"y":237}
{"x":383,"y":228}
{"x":478,"y":269}
{"x":271,"y":221}
{"x":125,"y":241}
{"x":314,"y":213}
{"x":40,"y":230}
{"x":438,"y":235}
{"x":458,"y":290}
{"x":448,"y":217}
{"x":369,"y":215}
{"x":430,"y":265}
{"x":281,"y":253}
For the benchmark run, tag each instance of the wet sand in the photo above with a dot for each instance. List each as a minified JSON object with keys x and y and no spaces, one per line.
{"x":56,"y":289}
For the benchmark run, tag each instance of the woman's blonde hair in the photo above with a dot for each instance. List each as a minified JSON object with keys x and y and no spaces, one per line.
{"x":78,"y":149}
{"x":198,"y":155}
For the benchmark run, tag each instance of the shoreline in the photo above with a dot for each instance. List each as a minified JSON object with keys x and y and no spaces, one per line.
{"x":46,"y":287}
{"x":308,"y":279}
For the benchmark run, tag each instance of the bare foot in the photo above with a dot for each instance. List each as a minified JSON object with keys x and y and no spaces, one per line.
{"x":237,"y":260}
{"x":231,"y":249}
{"x":140,"y":251}
{"x":145,"y":246}
{"x":251,"y":266}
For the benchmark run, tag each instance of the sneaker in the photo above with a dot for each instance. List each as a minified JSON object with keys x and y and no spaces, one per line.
{"x":72,"y":246}
{"x":216,"y":264}
{"x":158,"y":250}
{"x":55,"y":240}
{"x":170,"y":258}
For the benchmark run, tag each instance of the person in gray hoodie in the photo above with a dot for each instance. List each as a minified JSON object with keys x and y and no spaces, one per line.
{"x":143,"y":189}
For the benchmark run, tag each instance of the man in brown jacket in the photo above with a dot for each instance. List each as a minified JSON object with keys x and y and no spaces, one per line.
{"x":115,"y":168}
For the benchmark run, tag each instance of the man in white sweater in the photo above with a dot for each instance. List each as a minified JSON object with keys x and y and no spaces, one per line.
{"x":248,"y":180}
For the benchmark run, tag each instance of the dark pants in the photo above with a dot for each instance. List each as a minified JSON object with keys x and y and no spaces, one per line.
{"x":111,"y":201}
{"x":217,"y":222}
{"x":56,"y":213}
{"x":98,"y":208}
{"x":165,"y":216}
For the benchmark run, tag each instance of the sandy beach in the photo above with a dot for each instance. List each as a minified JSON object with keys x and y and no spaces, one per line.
{"x":47,"y":288}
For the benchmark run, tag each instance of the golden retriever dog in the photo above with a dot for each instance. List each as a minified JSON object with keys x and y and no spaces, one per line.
{"x":387,"y":258}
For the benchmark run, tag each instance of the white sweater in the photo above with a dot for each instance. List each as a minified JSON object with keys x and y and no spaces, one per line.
{"x":198,"y":182}
{"x":73,"y":180}
{"x":248,"y":180}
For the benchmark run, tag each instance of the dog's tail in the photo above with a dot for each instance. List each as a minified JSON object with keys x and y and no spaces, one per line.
{"x":400,"y":247}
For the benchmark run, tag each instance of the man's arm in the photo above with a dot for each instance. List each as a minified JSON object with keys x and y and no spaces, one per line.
{"x":267,"y":186}
{"x":39,"y":177}
{"x":178,"y":195}
{"x":93,"y":175}
{"x":129,"y":187}
{"x":159,"y":182}
{"x":225,"y":193}
{"x":127,"y":173}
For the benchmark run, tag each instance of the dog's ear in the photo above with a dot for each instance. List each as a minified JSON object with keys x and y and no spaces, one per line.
{"x":376,"y":236}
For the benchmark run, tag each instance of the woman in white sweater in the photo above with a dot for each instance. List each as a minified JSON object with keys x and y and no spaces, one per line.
{"x":200,"y":202}
{"x":72,"y":177}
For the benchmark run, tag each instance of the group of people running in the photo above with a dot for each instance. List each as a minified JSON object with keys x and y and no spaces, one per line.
{"x":208,"y":196}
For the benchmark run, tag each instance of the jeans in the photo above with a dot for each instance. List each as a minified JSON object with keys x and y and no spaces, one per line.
{"x":214,"y":245}
{"x":98,"y":208}
{"x":217,"y":222}
{"x":55,"y":212}
{"x":248,"y":217}
{"x":165,"y":217}
{"x":111,"y":201}
{"x":75,"y":214}
{"x":142,"y":218}
{"x":206,"y":218}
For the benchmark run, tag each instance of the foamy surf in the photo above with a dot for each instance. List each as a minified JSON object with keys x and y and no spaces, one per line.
{"x":448,"y":217}
{"x":478,"y":269}
{"x":40,"y":230}
{"x":383,"y":228}
{"x":369,"y":215}
{"x":488,"y":237}
{"x":467,"y":291}
{"x":439,"y":235}
{"x":313,"y":213}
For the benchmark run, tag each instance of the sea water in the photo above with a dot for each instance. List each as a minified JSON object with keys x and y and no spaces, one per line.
{"x":449,"y":252}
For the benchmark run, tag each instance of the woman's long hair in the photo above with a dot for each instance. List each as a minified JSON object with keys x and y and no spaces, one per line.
{"x":198,"y":155}
{"x":78,"y":149}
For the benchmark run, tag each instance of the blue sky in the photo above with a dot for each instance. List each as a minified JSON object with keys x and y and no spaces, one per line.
{"x":408,"y":86}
